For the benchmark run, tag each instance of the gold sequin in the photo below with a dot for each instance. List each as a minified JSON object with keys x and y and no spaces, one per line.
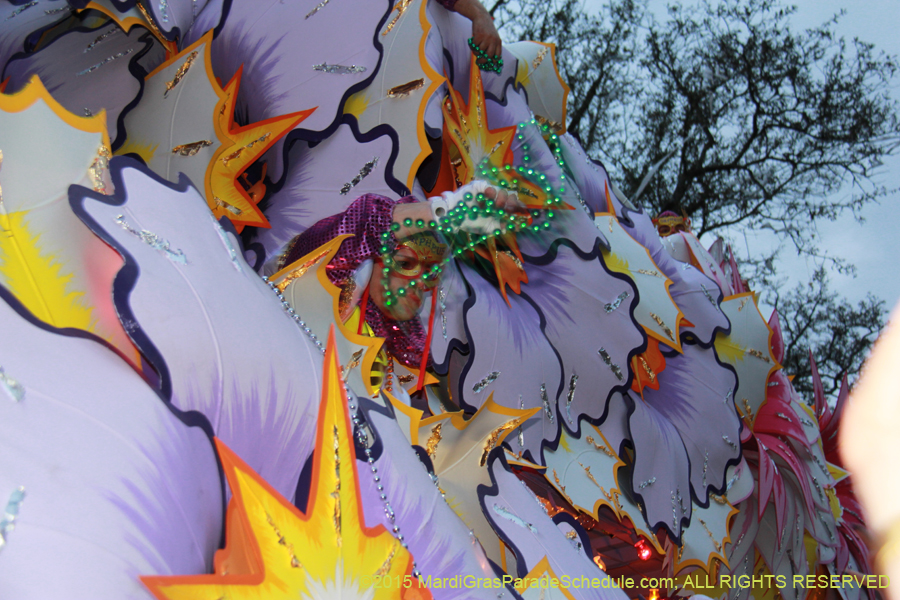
{"x":433,"y":440}
{"x":385,"y":567}
{"x":492,"y":440}
{"x":539,"y":58}
{"x":336,"y":494}
{"x":192,"y":148}
{"x":601,"y":447}
{"x":758,"y":355}
{"x":98,"y":168}
{"x":651,"y":272}
{"x":181,"y":72}
{"x":659,"y":322}
{"x":400,"y":7}
{"x":743,"y":303}
{"x":648,"y":370}
{"x":405,"y":89}
{"x":716,"y":543}
{"x":298,"y":272}
{"x":227,"y":206}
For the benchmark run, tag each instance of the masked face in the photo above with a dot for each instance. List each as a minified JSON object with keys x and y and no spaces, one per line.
{"x":410,"y":274}
{"x":669,"y":224}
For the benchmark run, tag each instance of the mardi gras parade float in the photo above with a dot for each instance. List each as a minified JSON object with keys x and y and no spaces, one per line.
{"x":308,"y":299}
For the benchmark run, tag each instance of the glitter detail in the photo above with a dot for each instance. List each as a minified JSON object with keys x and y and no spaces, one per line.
{"x":492,"y":439}
{"x":100,"y":38}
{"x":539,"y":58}
{"x":716,"y":544}
{"x":8,"y":522}
{"x":88,"y":112}
{"x":743,"y":304}
{"x":758,"y":355}
{"x":106,"y":60}
{"x":651,"y":273}
{"x":229,"y":247}
{"x":295,"y":563}
{"x":614,"y":368}
{"x":181,"y":72}
{"x":400,"y":7}
{"x":98,"y":168}
{"x":12,"y":387}
{"x":192,"y":148}
{"x":405,"y":89}
{"x":20,"y":10}
{"x":719,"y":500}
{"x":261,"y":139}
{"x":354,"y":362}
{"x":164,"y":10}
{"x":601,"y":447}
{"x":316,"y":9}
{"x":784,"y":416}
{"x":748,"y":411}
{"x":650,"y":374}
{"x":729,"y":442}
{"x":659,"y":322}
{"x":433,"y":440}
{"x":363,"y":173}
{"x":558,"y":482}
{"x":443,"y":298}
{"x":491,"y":378}
{"x":339,"y":69}
{"x":727,"y":397}
{"x":573,"y":381}
{"x":587,"y":471}
{"x":336,"y":494}
{"x":503,"y":512}
{"x":227,"y":206}
{"x":616,"y":303}
{"x":154,"y":241}
{"x":298,"y":272}
{"x":647,"y":483}
{"x":521,"y":434}
{"x":546,"y":402}
{"x":705,"y":467}
{"x":708,"y":296}
{"x":56,"y":11}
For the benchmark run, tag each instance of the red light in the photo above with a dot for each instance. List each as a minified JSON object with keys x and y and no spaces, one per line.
{"x":643,"y":550}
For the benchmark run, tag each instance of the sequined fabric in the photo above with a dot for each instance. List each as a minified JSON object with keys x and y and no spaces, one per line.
{"x":366,"y":219}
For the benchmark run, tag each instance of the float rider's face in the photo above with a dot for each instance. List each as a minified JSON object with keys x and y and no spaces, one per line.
{"x":410,"y":275}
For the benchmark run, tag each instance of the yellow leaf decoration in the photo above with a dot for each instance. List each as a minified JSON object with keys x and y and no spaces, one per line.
{"x":274,"y":551}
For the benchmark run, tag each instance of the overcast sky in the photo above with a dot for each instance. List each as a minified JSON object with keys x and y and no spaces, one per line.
{"x":874,"y":246}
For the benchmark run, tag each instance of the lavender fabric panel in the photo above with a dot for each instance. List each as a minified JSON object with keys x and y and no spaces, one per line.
{"x":587,"y":316}
{"x":449,"y":323}
{"x":661,"y":468}
{"x":323,"y":180}
{"x":115,"y":485}
{"x":221,"y":339}
{"x":513,"y":510}
{"x":174,"y":17}
{"x":508,"y":341}
{"x":590,"y":178}
{"x":365,"y":219}
{"x":90,"y":71}
{"x":696,"y":396}
{"x":280,"y":43}
{"x":438,"y":539}
{"x":696,"y":295}
{"x":18,"y":23}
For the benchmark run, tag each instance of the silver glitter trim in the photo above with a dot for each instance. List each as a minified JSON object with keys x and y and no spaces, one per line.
{"x":226,"y":241}
{"x":784,"y":416}
{"x":705,"y":467}
{"x":503,"y":512}
{"x":12,"y":387}
{"x":546,"y":402}
{"x":521,"y":434}
{"x":8,"y":522}
{"x":88,"y":112}
{"x":729,"y":442}
{"x":573,"y":381}
{"x":614,"y":368}
{"x":615,"y":304}
{"x":164,"y":10}
{"x":317,"y":8}
{"x":708,"y":296}
{"x":491,"y":378}
{"x":728,"y":397}
{"x":56,"y":11}
{"x":363,"y":173}
{"x":106,"y":60}
{"x":443,"y":298}
{"x":100,"y":38}
{"x":20,"y":10}
{"x":647,"y":483}
{"x":339,"y":69}
{"x":154,"y":241}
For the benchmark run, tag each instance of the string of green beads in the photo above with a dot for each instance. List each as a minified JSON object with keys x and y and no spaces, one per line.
{"x":486,"y":62}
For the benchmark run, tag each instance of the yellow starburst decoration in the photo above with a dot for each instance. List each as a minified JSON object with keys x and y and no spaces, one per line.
{"x":275,"y":551}
{"x":241,"y":147}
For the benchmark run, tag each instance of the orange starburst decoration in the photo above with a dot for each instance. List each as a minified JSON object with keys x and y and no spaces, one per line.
{"x":275,"y":551}
{"x":241,"y":147}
